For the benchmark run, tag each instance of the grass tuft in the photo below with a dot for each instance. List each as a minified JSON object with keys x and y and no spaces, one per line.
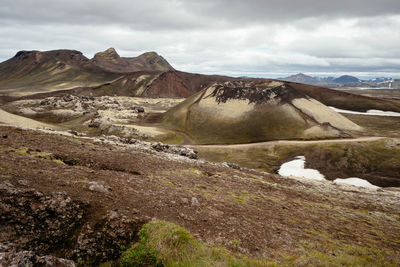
{"x":166,"y":244}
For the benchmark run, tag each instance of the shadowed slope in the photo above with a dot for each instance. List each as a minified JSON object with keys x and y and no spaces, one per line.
{"x":31,"y":72}
{"x":345,"y":100}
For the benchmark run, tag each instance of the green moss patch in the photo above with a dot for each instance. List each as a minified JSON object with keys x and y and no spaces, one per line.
{"x":166,"y":244}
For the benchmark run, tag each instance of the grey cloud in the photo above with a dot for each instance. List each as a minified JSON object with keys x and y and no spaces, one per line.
{"x":149,"y":14}
{"x":215,"y":36}
{"x":189,"y":14}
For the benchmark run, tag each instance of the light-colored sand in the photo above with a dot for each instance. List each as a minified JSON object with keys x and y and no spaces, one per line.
{"x":319,"y":131}
{"x":143,"y":130}
{"x":141,"y":78}
{"x":322,"y":113}
{"x":371,"y":112}
{"x":274,"y":84}
{"x":231,"y":109}
{"x":27,"y":111}
{"x":150,"y":131}
{"x":65,"y":85}
{"x":12,"y":119}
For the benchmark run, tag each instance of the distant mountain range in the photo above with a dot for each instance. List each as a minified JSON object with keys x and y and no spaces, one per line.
{"x":343,"y":81}
{"x":60,"y":72}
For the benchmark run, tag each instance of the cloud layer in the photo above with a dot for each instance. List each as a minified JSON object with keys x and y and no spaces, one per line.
{"x":257,"y":38}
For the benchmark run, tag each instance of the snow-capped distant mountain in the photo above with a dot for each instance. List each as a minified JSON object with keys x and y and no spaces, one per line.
{"x":342,"y":81}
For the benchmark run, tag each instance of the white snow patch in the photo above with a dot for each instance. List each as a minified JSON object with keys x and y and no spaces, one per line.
{"x":356,"y":182}
{"x":296,"y":168}
{"x":371,"y":112}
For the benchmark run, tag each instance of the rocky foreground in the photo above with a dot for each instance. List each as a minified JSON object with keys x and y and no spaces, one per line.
{"x":68,"y":200}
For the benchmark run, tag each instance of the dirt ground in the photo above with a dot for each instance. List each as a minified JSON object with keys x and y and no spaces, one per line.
{"x":254,"y":213}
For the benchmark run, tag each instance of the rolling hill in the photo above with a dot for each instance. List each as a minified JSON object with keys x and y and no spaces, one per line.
{"x":346,"y":79}
{"x":245,"y":111}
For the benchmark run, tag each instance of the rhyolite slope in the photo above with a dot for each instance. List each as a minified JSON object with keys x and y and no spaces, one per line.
{"x":255,"y":110}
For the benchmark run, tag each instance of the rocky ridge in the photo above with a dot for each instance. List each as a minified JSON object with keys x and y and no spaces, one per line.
{"x":109,"y":60}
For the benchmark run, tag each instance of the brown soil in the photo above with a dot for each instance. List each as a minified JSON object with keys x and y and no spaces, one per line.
{"x":254,"y":213}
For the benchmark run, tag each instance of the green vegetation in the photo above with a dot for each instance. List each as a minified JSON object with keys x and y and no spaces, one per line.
{"x":163,"y":243}
{"x":368,"y":160}
{"x":338,"y":254}
{"x":168,"y":138}
{"x":27,"y":151}
{"x":200,"y":124}
{"x":377,"y":125}
{"x":166,"y":244}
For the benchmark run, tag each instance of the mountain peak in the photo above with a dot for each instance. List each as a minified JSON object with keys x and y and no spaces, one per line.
{"x":301,"y":78}
{"x":150,"y":54}
{"x":109,"y":53}
{"x":346,"y":79}
{"x":109,"y":60}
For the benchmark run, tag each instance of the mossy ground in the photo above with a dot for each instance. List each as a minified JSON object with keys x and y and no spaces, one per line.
{"x":377,"y":125}
{"x":377,"y":161}
{"x":163,"y":243}
{"x":267,"y":218}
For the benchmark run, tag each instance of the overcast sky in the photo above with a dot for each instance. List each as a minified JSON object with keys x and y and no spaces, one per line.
{"x":265,"y":38}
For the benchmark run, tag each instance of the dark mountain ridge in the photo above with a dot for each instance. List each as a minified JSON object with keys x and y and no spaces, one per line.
{"x":32,"y":72}
{"x":346,"y":79}
{"x":109,"y":60}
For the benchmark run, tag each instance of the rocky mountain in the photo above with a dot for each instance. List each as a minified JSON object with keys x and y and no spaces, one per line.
{"x":380,"y":80}
{"x":30,"y":72}
{"x":173,"y":84}
{"x":346,"y":79}
{"x":342,"y":81}
{"x":34,"y":71}
{"x":253,"y":111}
{"x":63,"y":72}
{"x":109,"y":60}
{"x":302,"y":78}
{"x":153,"y":84}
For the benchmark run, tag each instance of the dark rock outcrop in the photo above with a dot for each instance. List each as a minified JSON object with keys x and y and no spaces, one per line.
{"x":35,"y":221}
{"x":41,"y":224}
{"x":10,"y":257}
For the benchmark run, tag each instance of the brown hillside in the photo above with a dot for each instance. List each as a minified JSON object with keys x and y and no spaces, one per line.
{"x":109,"y":60}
